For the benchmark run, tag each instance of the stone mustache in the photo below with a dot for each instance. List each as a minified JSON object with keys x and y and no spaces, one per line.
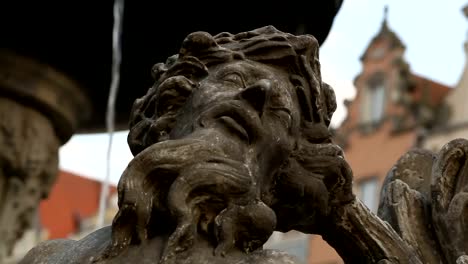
{"x":230,"y":144}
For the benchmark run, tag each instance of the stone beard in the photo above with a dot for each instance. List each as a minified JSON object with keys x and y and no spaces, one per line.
{"x":230,"y":144}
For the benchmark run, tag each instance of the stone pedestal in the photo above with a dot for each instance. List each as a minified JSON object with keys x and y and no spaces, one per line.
{"x":39,"y":111}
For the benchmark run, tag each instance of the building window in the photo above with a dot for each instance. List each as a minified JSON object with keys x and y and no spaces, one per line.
{"x":377,"y":53}
{"x":373,"y":104}
{"x":367,"y":191}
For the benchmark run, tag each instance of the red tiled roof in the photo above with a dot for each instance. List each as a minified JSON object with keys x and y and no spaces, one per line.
{"x":435,"y":91}
{"x":72,"y":196}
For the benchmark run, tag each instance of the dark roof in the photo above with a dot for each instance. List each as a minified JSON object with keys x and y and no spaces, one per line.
{"x":71,"y":196}
{"x":428,"y":91}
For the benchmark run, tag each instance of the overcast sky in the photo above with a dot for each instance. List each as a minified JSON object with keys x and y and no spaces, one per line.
{"x":433,"y":31}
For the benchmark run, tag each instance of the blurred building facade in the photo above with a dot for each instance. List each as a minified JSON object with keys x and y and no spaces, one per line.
{"x":70,"y":211}
{"x":457,"y":125}
{"x":386,"y":118}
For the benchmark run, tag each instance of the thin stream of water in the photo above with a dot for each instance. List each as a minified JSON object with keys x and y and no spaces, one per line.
{"x":110,"y":114}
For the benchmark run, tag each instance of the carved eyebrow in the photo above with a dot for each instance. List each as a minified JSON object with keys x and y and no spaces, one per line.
{"x":225,"y":73}
{"x":233,"y":69}
{"x":246,"y":70}
{"x":229,"y":69}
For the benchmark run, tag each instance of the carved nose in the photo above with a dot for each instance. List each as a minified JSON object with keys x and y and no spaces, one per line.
{"x":257,"y":95}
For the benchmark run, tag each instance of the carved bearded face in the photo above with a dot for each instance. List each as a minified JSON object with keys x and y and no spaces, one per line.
{"x":226,"y":143}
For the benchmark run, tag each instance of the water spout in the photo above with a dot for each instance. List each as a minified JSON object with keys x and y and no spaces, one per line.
{"x":110,"y":114}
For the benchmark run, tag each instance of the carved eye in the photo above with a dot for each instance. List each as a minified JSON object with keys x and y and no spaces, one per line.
{"x":235,"y":78}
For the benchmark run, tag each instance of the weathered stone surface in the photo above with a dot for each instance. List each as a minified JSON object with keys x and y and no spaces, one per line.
{"x":424,"y":199}
{"x":359,"y":236}
{"x":449,"y":191}
{"x":405,"y":203}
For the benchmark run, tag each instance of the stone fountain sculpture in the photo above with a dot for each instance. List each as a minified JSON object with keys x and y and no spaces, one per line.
{"x":232,"y":143}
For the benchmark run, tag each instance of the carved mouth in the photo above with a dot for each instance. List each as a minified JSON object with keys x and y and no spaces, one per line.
{"x":233,"y":125}
{"x":235,"y":116}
